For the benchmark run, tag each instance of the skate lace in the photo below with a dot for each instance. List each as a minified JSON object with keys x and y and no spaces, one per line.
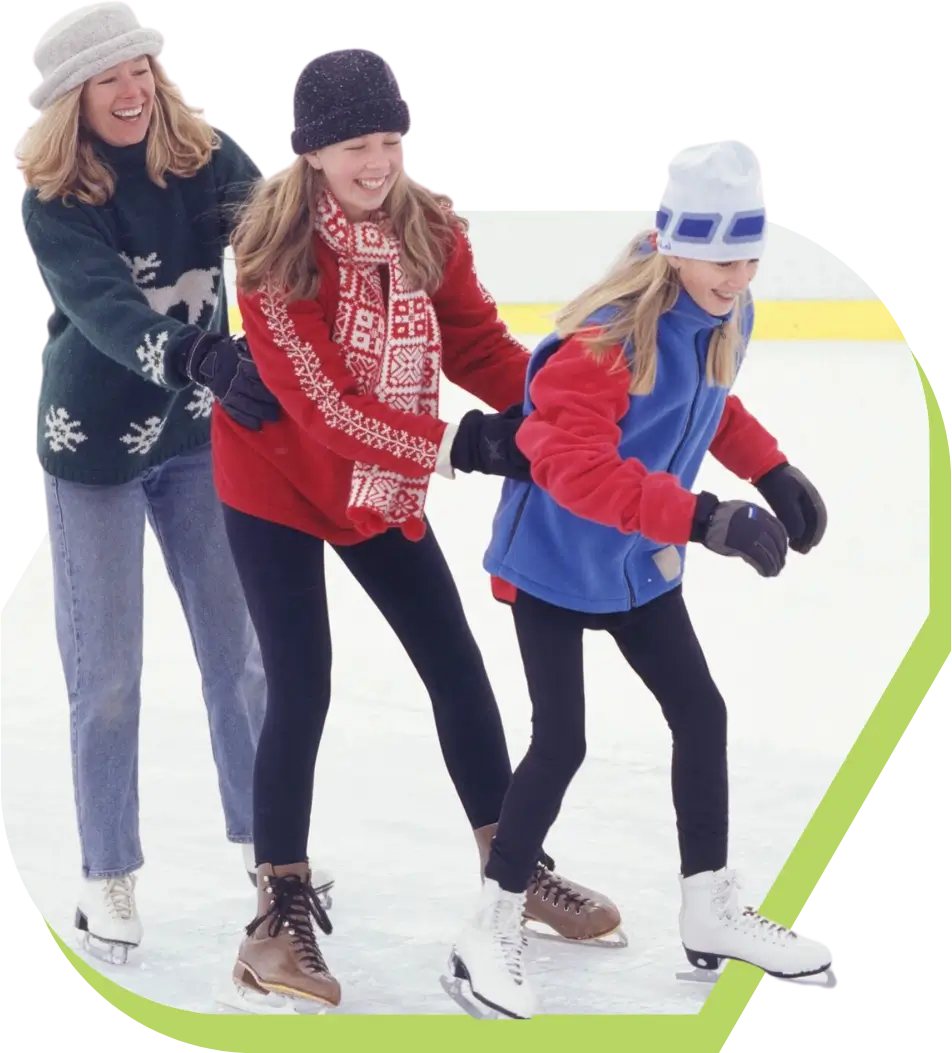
{"x":510,"y":937}
{"x":725,"y":898}
{"x":118,"y":895}
{"x":295,"y":907}
{"x":550,"y":884}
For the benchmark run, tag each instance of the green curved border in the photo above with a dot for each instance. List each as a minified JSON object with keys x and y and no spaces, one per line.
{"x":872,"y":856}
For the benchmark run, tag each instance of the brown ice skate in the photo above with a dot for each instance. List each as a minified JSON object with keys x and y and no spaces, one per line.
{"x":557,"y":908}
{"x":279,"y":960}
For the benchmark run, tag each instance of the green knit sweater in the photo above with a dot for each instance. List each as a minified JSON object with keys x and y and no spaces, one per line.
{"x":133,"y":282}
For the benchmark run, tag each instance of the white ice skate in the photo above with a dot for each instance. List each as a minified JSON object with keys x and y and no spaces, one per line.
{"x":485,"y":975}
{"x":714,"y":927}
{"x":322,"y":880}
{"x":107,"y":918}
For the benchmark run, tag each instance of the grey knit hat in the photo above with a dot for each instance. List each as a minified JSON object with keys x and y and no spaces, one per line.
{"x":344,"y":95}
{"x":86,"y":42}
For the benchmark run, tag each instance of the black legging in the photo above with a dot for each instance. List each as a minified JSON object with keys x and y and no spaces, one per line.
{"x":659,"y":643}
{"x":282,"y":572}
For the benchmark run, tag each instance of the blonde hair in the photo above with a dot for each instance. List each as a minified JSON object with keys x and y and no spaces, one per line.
{"x":57,"y":157}
{"x":644,"y":285}
{"x":272,"y":240}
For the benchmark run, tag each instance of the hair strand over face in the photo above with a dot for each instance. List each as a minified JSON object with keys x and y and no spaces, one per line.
{"x":644,"y":286}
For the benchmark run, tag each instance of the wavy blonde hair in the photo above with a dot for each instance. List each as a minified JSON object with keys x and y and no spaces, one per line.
{"x":273,"y":238}
{"x":57,"y":157}
{"x":644,"y":285}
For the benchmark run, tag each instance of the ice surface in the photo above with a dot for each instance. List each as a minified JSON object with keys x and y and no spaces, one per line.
{"x":801,"y":660}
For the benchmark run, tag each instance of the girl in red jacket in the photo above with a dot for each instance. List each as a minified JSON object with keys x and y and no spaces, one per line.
{"x":357,"y":288}
{"x":622,"y":404}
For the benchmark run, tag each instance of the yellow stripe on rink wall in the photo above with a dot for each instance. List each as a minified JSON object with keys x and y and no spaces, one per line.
{"x":855,"y":320}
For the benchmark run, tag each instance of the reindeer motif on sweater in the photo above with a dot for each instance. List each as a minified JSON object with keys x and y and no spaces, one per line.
{"x":195,"y":288}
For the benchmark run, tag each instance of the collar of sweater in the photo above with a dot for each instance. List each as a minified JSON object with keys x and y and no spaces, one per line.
{"x":122,"y":158}
{"x":689,"y":318}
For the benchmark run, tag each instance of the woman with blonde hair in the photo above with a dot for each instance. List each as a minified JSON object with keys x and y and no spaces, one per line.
{"x":128,"y":212}
{"x":623,"y":401}
{"x":357,"y":289}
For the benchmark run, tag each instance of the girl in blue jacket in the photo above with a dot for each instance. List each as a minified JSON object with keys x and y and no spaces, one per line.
{"x":622,"y":403}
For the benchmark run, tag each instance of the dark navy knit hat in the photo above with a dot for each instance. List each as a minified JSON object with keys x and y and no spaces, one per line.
{"x":344,"y":95}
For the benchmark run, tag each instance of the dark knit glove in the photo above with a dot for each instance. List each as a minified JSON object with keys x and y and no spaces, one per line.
{"x":797,"y":505}
{"x":486,"y":443}
{"x":224,"y":365}
{"x":738,"y":528}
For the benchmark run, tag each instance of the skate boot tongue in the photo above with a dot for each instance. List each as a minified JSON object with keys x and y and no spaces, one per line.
{"x":118,"y":893}
{"x":295,"y":906}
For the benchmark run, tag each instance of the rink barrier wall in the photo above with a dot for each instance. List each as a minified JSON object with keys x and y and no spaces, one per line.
{"x":532,"y":263}
{"x":865,"y":321}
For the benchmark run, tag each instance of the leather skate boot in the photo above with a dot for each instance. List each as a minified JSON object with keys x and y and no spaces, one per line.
{"x":566,"y":909}
{"x":279,"y":956}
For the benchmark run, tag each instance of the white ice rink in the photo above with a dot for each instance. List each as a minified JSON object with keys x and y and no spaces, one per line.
{"x":802,"y":661}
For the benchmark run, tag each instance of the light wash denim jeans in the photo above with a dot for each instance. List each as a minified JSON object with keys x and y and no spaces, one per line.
{"x":97,"y":536}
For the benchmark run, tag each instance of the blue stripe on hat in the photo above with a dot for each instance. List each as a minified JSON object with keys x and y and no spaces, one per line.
{"x":698,"y":228}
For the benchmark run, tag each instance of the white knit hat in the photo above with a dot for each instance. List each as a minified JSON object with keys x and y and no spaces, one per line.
{"x":713,"y":206}
{"x":85,"y":43}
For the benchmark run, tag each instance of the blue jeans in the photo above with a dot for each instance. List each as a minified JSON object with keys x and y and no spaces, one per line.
{"x":97,"y":536}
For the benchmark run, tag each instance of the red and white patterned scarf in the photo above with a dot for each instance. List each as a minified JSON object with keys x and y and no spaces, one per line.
{"x":394,"y":354}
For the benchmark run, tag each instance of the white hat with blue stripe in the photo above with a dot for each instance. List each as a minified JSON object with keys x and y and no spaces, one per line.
{"x":713,"y":205}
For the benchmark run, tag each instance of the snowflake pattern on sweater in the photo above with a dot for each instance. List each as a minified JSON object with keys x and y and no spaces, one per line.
{"x":133,"y":284}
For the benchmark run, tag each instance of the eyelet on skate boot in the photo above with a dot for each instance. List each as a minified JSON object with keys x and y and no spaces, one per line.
{"x":280,"y":967}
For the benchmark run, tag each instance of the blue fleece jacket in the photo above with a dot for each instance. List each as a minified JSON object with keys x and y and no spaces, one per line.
{"x":554,"y":554}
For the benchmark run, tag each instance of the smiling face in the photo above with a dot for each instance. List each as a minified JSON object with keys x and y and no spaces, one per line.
{"x":360,"y":173}
{"x":713,"y":286}
{"x":117,"y":104}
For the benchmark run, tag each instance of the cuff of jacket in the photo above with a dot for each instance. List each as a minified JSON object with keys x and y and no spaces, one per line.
{"x":444,"y":464}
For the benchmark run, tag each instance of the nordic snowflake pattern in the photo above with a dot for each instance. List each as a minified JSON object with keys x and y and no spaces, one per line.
{"x":201,"y":404}
{"x":143,"y":437}
{"x":63,"y":433}
{"x":151,"y":354}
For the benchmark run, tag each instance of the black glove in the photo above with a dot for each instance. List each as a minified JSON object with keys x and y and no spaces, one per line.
{"x":797,"y":504}
{"x":738,"y":528}
{"x":486,"y":443}
{"x":223,"y":365}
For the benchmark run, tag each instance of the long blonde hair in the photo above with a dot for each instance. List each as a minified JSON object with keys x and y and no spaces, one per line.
{"x":644,"y":286}
{"x":273,"y":243}
{"x":57,"y":157}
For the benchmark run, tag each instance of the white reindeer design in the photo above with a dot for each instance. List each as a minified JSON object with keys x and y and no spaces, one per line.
{"x":195,"y":288}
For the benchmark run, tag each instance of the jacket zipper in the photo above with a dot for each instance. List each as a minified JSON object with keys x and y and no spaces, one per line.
{"x":632,"y":602}
{"x":687,"y":429}
{"x":515,"y":522}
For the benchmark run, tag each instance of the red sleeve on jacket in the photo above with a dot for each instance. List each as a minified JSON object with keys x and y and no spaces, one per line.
{"x":479,"y":354}
{"x":742,"y":444}
{"x":571,"y":440}
{"x":305,"y":370}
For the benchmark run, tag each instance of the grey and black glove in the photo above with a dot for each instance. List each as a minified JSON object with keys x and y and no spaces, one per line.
{"x":739,"y":528}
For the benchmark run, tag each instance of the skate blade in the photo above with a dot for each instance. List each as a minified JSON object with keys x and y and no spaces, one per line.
{"x":699,"y":976}
{"x":820,"y":978}
{"x":106,"y":951}
{"x":614,"y":940}
{"x":461,"y":992}
{"x":236,"y":998}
